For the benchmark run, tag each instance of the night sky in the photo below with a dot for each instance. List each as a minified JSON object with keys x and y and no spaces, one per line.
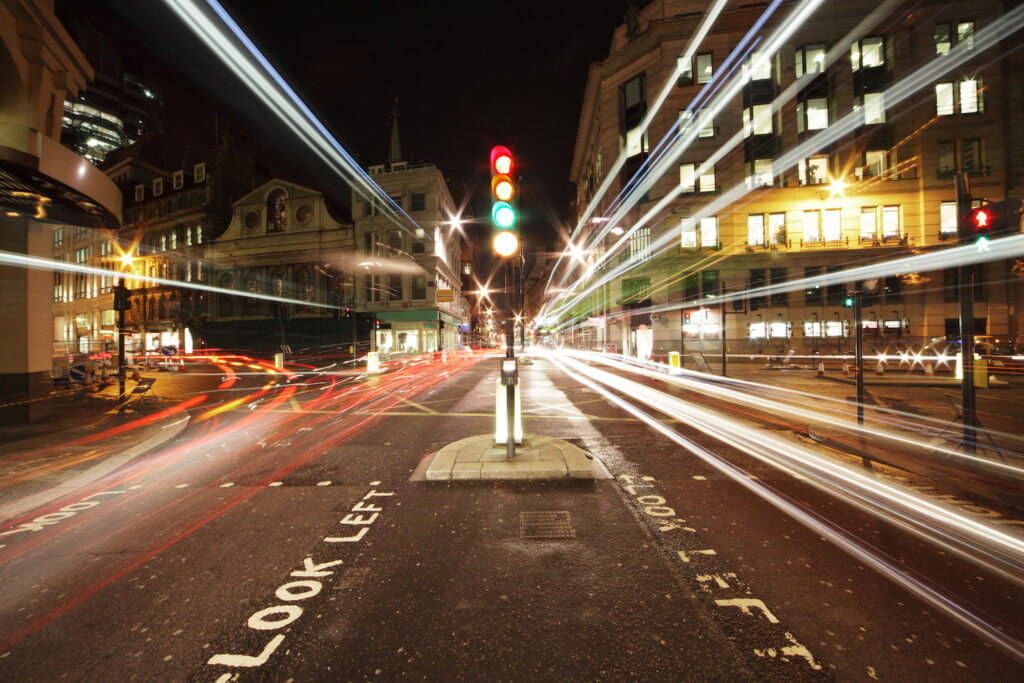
{"x":467,"y":75}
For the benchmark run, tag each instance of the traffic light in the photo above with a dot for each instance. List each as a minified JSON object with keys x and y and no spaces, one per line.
{"x":848,"y":301}
{"x":989,"y":220}
{"x":686,"y":317}
{"x":503,"y":192}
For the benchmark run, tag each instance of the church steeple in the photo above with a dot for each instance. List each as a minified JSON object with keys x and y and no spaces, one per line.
{"x":396,"y":147}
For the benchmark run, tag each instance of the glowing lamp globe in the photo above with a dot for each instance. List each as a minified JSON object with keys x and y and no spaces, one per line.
{"x":506,"y":243}
{"x":502,"y":187}
{"x":503,"y":215}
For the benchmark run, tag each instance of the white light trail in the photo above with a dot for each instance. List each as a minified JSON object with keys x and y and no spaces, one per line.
{"x":237,"y":52}
{"x":921,"y":78}
{"x":39,"y":263}
{"x":863,"y":552}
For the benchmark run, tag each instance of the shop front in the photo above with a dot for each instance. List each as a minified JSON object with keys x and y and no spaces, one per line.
{"x":404,"y":333}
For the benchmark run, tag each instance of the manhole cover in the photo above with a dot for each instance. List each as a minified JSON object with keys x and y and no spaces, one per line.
{"x":353,"y":577}
{"x":547,"y":524}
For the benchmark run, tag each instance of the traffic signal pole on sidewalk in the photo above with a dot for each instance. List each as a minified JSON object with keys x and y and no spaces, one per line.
{"x":966,"y":285}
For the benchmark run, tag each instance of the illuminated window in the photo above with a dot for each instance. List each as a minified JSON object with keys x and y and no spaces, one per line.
{"x":705,"y":68}
{"x":832,"y":225}
{"x":944,"y":99}
{"x":688,"y":232}
{"x":969,"y":101}
{"x":636,"y":142}
{"x":867,"y":53}
{"x":817,"y":113}
{"x":757,"y":120}
{"x":759,"y":173}
{"x":758,"y":67}
{"x":943,"y":39}
{"x":812,"y":229}
{"x":890,"y":222}
{"x":707,"y":180}
{"x":810,"y":59}
{"x":947,"y":218}
{"x":277,"y":211}
{"x":868,"y":223}
{"x":874,"y":163}
{"x":709,"y":231}
{"x":965,"y":34}
{"x":756,"y":330}
{"x":684,"y":67}
{"x":686,"y":177}
{"x":813,"y":170}
{"x":872,"y":105}
{"x":777,"y":228}
{"x":755,"y":229}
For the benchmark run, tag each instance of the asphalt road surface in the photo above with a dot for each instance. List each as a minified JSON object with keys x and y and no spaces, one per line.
{"x":288,"y":534}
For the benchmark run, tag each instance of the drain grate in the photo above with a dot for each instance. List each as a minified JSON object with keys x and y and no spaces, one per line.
{"x":353,"y":577}
{"x":546,"y":524}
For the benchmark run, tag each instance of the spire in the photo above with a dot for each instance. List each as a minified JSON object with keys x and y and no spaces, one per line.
{"x":396,"y":147}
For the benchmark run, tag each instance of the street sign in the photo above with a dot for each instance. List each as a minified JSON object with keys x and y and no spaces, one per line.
{"x":445,"y":295}
{"x":169,"y":350}
{"x":78,"y":373}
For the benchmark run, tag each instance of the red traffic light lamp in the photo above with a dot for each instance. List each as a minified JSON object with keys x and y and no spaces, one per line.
{"x":989,"y":220}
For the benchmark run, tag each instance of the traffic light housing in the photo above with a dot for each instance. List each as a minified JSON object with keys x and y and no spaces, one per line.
{"x":848,"y":301}
{"x":503,"y":193}
{"x":992,"y":219}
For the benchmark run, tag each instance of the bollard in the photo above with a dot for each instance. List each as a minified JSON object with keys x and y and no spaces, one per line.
{"x":928,"y":371}
{"x":821,"y":368}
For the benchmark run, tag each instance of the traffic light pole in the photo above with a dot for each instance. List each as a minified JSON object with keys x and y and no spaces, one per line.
{"x":966,"y":284}
{"x":858,"y":354}
{"x":510,"y":390}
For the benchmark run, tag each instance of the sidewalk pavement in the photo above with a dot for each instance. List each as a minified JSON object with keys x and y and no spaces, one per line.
{"x":82,"y":438}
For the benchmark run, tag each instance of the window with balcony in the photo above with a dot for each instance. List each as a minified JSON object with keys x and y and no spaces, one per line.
{"x":810,"y":59}
{"x":868,"y":223}
{"x":777,"y":228}
{"x":832,"y":225}
{"x":947,"y":158}
{"x":891,"y":223}
{"x":687,"y":179}
{"x":812,"y":226}
{"x":874,"y":165}
{"x":706,"y":183}
{"x":688,"y":234}
{"x":970,"y":155}
{"x":813,"y":170}
{"x":759,"y":173}
{"x":755,"y":229}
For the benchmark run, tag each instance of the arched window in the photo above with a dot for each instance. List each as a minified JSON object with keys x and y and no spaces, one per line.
{"x":307,"y":284}
{"x":277,"y":211}
{"x":225,"y":301}
{"x":253,"y":285}
{"x":279,"y":282}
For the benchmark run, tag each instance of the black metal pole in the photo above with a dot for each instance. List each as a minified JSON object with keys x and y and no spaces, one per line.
{"x":724,"y":340}
{"x":510,"y":390}
{"x":120,"y":341}
{"x":858,"y":355}
{"x":966,"y":286}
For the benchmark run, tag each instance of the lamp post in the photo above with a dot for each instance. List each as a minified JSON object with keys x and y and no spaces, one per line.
{"x":816,"y":328}
{"x":899,"y":330}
